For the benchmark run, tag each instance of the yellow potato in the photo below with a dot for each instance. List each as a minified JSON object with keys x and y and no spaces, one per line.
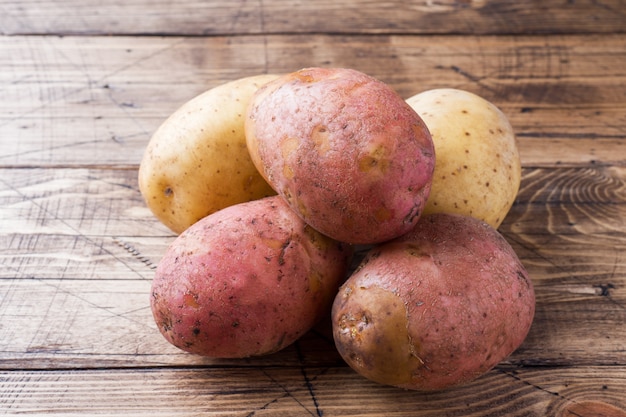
{"x":477,"y":168}
{"x":197,"y":161}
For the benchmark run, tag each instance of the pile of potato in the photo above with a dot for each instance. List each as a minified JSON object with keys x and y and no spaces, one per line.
{"x":272,"y":181}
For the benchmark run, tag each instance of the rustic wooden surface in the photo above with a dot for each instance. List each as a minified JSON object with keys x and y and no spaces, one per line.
{"x":83,"y":85}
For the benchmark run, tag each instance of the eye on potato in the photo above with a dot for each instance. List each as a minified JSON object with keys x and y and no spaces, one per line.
{"x":349,"y":155}
{"x":478,"y":169}
{"x":197,"y":161}
{"x":247,"y":280}
{"x":437,"y":307}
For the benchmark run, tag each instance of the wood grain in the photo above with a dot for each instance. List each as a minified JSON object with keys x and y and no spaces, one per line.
{"x":271,"y":391}
{"x":82,"y":241}
{"x":193,"y":17}
{"x":69,"y":99}
{"x":84,"y":85}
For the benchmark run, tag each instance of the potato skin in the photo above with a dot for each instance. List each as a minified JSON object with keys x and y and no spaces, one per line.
{"x":345,"y":150}
{"x":197,"y":161}
{"x":478,"y":168}
{"x":247,"y":280}
{"x":435,"y":308}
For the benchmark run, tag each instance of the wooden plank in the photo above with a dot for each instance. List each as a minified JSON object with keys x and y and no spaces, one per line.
{"x":69,"y":99}
{"x":75,"y":203}
{"x":192,"y":17}
{"x":85,"y":84}
{"x":96,"y":323}
{"x":287,"y":391}
{"x":79,"y":252}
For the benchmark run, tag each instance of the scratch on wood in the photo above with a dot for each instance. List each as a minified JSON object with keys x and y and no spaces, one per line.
{"x":237,"y":17}
{"x":288,"y":393}
{"x":466,"y":74}
{"x":79,"y":234}
{"x":265,"y":45}
{"x":473,"y":78}
{"x":307,"y":381}
{"x":275,"y":400}
{"x":135,"y":252}
{"x":514,"y":375}
{"x":265,"y":406}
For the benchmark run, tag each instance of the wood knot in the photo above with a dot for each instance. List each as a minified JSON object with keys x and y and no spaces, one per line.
{"x":592,"y":409}
{"x":604,"y":290}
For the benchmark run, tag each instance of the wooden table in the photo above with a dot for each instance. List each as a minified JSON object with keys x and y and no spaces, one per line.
{"x":83,"y":84}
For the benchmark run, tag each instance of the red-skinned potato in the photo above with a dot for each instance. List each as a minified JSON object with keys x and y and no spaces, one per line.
{"x":245,"y":281}
{"x":349,"y":155}
{"x":435,"y":308}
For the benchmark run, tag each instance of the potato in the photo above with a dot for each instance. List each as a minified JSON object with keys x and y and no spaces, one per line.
{"x":247,"y":280}
{"x":478,"y":169}
{"x":197,"y":161}
{"x":435,"y":308}
{"x":345,"y":150}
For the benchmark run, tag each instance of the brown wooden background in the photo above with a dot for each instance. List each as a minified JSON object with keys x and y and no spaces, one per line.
{"x":83,"y":84}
